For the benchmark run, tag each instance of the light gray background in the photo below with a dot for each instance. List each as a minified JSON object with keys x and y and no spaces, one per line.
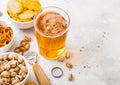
{"x":95,"y":25}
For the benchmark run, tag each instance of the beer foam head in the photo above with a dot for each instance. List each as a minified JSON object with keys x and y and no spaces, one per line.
{"x":51,"y":23}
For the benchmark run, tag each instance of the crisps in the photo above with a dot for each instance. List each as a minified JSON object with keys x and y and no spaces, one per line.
{"x":32,"y":5}
{"x":14,"y":7}
{"x":14,"y":16}
{"x":26,"y":15}
{"x":24,"y":1}
{"x":23,"y":10}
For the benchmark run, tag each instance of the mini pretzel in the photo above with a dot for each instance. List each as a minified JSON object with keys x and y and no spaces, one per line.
{"x":25,"y":48}
{"x":17,"y":50}
{"x":2,"y":44}
{"x":23,"y":42}
{"x":6,"y":35}
{"x":24,"y":45}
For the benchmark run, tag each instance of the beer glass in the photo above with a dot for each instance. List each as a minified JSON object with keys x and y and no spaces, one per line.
{"x":51,"y":27}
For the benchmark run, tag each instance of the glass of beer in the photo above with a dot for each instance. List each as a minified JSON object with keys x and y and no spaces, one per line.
{"x":51,"y":26}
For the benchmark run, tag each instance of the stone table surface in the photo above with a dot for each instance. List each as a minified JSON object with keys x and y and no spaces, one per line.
{"x":93,"y":40}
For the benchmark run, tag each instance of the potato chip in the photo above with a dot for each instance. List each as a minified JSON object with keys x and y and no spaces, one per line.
{"x":26,"y":15}
{"x":21,"y":1}
{"x":23,"y":10}
{"x":14,"y":7}
{"x":24,"y":20}
{"x":24,"y":1}
{"x":14,"y":16}
{"x":32,"y":5}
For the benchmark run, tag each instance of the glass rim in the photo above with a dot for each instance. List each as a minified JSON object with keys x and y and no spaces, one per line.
{"x":53,"y":36}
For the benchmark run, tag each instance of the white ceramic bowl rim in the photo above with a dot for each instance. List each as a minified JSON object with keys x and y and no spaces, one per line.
{"x":26,"y":63}
{"x":10,"y":25}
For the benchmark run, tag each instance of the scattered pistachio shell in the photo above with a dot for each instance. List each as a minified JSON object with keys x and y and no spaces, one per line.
{"x":67,"y":55}
{"x":61,"y":58}
{"x":70,"y":77}
{"x":69,"y":64}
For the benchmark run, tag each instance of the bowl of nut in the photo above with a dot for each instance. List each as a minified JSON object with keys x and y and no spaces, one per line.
{"x":14,"y":69}
{"x":6,"y":35}
{"x":22,"y":12}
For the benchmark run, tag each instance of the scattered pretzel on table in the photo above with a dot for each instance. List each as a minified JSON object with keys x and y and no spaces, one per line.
{"x":23,"y":46}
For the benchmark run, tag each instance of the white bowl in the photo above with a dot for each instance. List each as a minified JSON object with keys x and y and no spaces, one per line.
{"x":27,"y":65}
{"x":9,"y":45}
{"x":21,"y":25}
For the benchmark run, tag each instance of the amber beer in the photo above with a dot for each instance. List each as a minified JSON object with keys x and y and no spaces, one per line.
{"x":51,"y":30}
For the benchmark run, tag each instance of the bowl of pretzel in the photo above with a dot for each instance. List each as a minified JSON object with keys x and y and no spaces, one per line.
{"x":22,"y":12}
{"x":6,"y":35}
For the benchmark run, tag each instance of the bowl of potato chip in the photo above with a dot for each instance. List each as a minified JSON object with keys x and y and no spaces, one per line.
{"x":22,"y":12}
{"x":6,"y":35}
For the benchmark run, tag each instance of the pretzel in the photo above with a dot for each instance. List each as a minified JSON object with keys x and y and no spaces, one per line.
{"x":18,"y":50}
{"x":23,"y":42}
{"x":6,"y":35}
{"x":24,"y":46}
